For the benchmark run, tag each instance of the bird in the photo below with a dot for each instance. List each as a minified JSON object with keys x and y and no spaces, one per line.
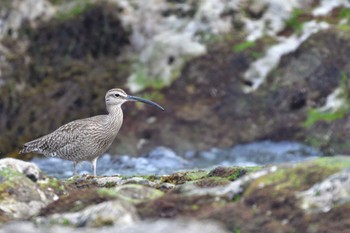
{"x":86,"y":139}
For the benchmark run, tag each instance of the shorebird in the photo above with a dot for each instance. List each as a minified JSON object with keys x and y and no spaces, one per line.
{"x":86,"y":139}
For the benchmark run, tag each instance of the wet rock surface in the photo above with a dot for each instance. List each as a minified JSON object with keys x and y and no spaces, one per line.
{"x":297,"y":197}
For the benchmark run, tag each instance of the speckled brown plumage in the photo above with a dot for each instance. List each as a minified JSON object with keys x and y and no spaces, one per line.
{"x":86,"y":139}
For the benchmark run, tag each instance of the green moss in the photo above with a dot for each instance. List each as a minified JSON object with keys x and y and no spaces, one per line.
{"x":231,"y":173}
{"x":294,"y":22}
{"x":143,"y":79}
{"x":182,"y":177}
{"x":65,"y":222}
{"x":299,"y":177}
{"x":52,"y":183}
{"x":315,"y":115}
{"x":151,"y":177}
{"x":337,"y":162}
{"x":344,"y":13}
{"x":78,"y":8}
{"x":135,"y":194}
{"x":107,"y":192}
{"x":243,"y":46}
{"x":343,"y":27}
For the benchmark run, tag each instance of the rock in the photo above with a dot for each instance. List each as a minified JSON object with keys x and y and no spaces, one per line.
{"x":91,"y":181}
{"x":270,"y":199}
{"x":14,"y":13}
{"x":107,"y":213}
{"x":225,"y":190}
{"x":29,"y":169}
{"x":176,"y":226}
{"x":108,"y":181}
{"x":135,"y":194}
{"x":138,"y":180}
{"x":331,"y":192}
{"x":159,"y":226}
{"x":265,"y":199}
{"x":22,"y":195}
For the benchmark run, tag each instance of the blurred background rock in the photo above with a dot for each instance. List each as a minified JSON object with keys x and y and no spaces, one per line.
{"x":227,"y":71}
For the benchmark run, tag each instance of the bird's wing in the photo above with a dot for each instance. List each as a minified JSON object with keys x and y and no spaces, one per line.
{"x":50,"y":144}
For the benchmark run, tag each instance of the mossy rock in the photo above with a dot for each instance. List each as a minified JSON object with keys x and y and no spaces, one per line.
{"x":182,"y":177}
{"x":174,"y":205}
{"x":21,"y":197}
{"x":231,"y":173}
{"x":77,"y":200}
{"x":298,"y":177}
{"x":134,"y":193}
{"x":211,"y":182}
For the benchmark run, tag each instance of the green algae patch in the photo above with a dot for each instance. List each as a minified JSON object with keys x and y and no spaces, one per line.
{"x":75,"y":10}
{"x":337,"y":162}
{"x":107,"y":192}
{"x":52,"y":184}
{"x":135,"y":193}
{"x":15,"y":185}
{"x":231,"y":173}
{"x":298,"y":177}
{"x":183,"y":177}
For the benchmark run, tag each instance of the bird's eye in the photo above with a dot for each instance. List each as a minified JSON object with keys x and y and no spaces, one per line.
{"x":116,"y":95}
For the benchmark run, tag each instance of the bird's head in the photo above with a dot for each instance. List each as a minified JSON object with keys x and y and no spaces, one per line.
{"x":116,"y":97}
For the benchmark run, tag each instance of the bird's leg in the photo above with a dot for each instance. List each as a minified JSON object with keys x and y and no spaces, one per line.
{"x":75,"y":168}
{"x":93,"y":163}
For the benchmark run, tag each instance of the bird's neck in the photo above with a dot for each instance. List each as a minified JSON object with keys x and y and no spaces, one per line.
{"x":115,"y":114}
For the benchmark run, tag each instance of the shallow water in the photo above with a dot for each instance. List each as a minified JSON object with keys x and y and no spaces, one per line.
{"x":163,"y":160}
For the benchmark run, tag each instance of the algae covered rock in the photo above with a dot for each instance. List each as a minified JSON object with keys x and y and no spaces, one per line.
{"x":293,"y":197}
{"x":23,"y":192}
{"x":30,"y":170}
{"x":116,"y":212}
{"x":134,"y":193}
{"x":330,"y":193}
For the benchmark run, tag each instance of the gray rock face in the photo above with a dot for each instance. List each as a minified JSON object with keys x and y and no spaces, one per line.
{"x":327,"y":194}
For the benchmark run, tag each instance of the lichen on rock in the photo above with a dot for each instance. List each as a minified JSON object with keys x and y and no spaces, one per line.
{"x":22,"y":193}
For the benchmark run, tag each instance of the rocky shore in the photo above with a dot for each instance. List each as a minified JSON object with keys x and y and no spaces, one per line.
{"x":311,"y":196}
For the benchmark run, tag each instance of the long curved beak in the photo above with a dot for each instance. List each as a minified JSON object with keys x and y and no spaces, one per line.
{"x":135,"y":98}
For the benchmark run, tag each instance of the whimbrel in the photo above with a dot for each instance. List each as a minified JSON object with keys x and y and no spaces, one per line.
{"x":86,"y":139}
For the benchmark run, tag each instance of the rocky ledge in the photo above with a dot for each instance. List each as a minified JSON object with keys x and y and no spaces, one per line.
{"x":311,"y":196}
